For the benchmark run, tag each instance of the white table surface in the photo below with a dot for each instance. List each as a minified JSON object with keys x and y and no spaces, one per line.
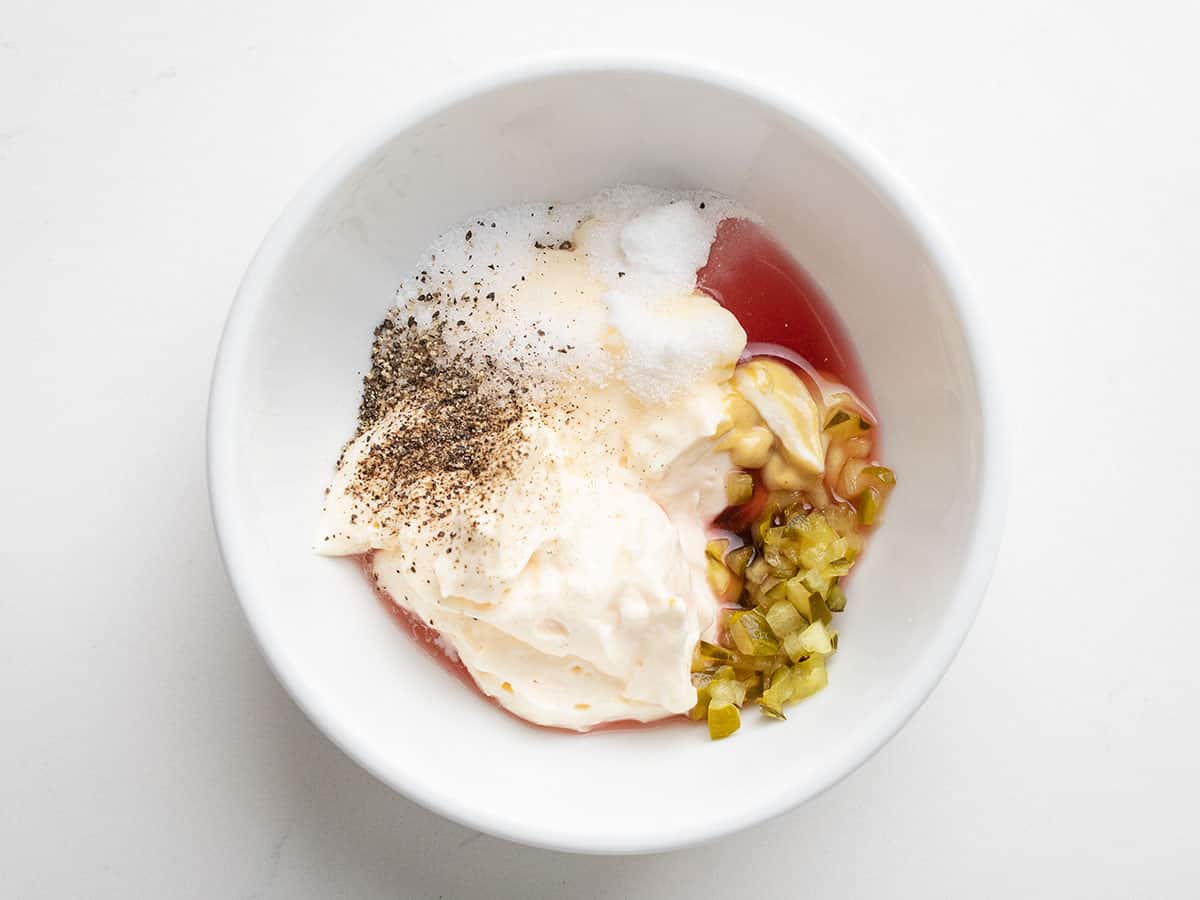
{"x":145,"y":147}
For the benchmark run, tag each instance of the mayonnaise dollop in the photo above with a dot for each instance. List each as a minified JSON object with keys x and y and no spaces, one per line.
{"x":572,"y":584}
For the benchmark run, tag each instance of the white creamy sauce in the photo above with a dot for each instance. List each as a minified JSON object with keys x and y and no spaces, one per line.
{"x":574,"y":591}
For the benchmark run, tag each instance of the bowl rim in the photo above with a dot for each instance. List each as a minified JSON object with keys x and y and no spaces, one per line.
{"x":987,"y":527}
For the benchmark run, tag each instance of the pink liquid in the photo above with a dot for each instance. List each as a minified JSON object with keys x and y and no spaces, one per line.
{"x":776,"y":302}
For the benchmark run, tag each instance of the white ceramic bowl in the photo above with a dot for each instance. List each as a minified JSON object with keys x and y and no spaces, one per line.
{"x":286,"y":389}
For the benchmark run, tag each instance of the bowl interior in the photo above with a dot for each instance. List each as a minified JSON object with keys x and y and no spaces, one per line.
{"x":286,"y":393}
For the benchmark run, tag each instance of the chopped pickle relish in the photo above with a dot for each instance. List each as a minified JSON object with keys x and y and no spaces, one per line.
{"x":797,"y":520}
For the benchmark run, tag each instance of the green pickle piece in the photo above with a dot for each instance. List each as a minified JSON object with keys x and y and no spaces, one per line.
{"x":843,"y":424}
{"x":820,"y":609}
{"x":784,"y":618}
{"x":758,"y":571}
{"x":738,"y":559}
{"x":810,"y":604}
{"x":815,"y":581}
{"x":723,"y":720}
{"x":713,"y":653}
{"x":702,"y":681}
{"x":797,"y":594}
{"x":820,"y":545}
{"x":775,"y":535}
{"x":776,"y":593}
{"x":780,"y":692}
{"x":836,"y":598}
{"x":728,"y":690}
{"x":815,"y":639}
{"x":794,"y":647}
{"x":751,"y":634}
{"x":720,"y":579}
{"x":808,"y":677}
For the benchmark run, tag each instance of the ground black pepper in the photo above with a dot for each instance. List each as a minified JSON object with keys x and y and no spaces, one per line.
{"x":446,"y":431}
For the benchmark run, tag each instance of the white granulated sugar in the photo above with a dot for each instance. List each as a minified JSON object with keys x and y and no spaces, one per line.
{"x":509,"y":286}
{"x":669,"y":243}
{"x":654,"y":252}
{"x":672,"y":343}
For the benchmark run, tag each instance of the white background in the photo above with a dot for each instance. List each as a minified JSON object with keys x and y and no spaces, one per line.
{"x":145,"y":147}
